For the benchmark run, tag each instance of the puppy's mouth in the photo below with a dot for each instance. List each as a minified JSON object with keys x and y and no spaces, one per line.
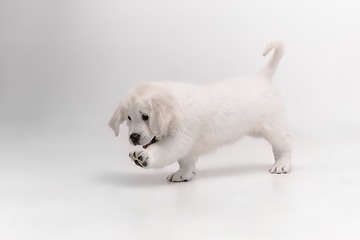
{"x":154,"y":140}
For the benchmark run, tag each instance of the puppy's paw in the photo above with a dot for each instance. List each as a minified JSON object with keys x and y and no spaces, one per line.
{"x":181,"y":176}
{"x":140,"y":158}
{"x":280,"y":167}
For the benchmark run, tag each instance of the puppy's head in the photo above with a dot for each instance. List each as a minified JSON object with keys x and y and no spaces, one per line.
{"x":150,"y":113}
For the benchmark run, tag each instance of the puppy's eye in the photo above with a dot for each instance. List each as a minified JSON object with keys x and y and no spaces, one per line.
{"x":145,"y":117}
{"x":129,"y":118}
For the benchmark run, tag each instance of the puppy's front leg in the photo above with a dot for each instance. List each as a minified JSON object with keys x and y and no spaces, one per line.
{"x":186,"y":171}
{"x":163,"y":153}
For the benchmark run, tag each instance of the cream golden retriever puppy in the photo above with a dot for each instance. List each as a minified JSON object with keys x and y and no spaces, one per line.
{"x":179,"y":121}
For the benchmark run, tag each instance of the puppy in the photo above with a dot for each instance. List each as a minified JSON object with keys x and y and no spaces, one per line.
{"x":180,"y":121}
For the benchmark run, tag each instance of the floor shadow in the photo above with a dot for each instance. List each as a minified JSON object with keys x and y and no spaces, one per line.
{"x":132,"y":179}
{"x":153,"y":179}
{"x":229,"y":171}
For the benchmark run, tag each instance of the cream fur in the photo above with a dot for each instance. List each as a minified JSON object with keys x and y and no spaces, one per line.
{"x":192,"y":120}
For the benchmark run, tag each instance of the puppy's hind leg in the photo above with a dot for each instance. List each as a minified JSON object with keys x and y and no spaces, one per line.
{"x":280,"y":141}
{"x":186,"y":171}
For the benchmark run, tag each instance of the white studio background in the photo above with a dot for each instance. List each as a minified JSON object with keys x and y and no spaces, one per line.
{"x":74,"y":59}
{"x":64,"y":65}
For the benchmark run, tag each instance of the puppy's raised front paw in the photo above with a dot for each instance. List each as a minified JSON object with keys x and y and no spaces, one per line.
{"x":181,"y":176}
{"x":140,"y":158}
{"x":280,"y":167}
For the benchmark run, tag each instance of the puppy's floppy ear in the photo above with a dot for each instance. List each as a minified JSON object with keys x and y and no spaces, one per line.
{"x":117,"y":118}
{"x":163,"y":114}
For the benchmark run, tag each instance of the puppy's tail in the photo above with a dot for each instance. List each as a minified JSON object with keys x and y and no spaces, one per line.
{"x":269,"y":69}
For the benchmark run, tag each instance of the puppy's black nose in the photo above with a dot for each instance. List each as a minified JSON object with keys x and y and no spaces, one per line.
{"x":135,"y":138}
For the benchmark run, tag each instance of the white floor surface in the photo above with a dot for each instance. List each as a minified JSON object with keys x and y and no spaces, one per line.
{"x":77,"y":185}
